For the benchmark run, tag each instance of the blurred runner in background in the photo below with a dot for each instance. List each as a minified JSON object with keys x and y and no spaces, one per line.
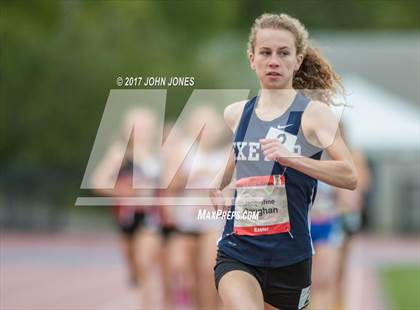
{"x":327,"y":237}
{"x":335,"y":217}
{"x":192,"y":244}
{"x":351,"y":204}
{"x":139,"y":225}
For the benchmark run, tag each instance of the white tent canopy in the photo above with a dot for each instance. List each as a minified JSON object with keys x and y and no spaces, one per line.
{"x":378,"y":119}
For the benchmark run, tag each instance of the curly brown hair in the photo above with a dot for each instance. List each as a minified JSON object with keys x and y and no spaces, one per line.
{"x":315,"y":77}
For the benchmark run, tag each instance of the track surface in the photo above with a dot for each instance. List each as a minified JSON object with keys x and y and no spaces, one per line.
{"x":86,"y":271}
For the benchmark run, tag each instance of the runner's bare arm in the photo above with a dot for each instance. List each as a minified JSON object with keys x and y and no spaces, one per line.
{"x":224,"y":176}
{"x":339,"y":171}
{"x":320,"y":127}
{"x":232,"y":116}
{"x":107,"y":168}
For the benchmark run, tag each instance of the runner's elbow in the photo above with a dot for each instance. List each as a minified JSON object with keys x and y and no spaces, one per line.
{"x":351,"y":183}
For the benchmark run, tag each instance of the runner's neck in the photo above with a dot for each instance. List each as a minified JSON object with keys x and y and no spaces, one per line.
{"x":272,"y":103}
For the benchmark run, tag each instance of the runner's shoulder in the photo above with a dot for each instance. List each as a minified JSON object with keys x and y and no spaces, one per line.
{"x":318,"y":115}
{"x":233,"y":112}
{"x":319,"y":124}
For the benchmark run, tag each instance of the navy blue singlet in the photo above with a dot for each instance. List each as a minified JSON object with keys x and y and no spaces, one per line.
{"x":279,"y":249}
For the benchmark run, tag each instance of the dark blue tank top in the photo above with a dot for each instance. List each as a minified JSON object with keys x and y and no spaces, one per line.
{"x":279,"y":249}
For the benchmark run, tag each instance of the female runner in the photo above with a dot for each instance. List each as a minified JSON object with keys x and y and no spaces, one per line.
{"x":279,"y":137}
{"x":139,"y":225}
{"x":327,"y":237}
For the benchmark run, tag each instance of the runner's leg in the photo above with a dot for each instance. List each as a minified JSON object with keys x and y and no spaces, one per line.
{"x":240,"y":290}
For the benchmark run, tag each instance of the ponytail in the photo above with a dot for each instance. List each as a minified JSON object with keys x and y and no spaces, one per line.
{"x":316,"y":78}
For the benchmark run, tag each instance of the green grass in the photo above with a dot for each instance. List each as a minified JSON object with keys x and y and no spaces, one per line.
{"x":401,"y":285}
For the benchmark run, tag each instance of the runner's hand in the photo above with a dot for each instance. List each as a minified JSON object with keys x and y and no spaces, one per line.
{"x":217,"y":199}
{"x":275,"y":151}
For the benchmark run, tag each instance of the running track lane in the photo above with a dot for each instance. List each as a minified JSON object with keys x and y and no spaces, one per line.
{"x":63,"y":272}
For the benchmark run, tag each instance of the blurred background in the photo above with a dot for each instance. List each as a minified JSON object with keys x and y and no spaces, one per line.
{"x":59,"y":61}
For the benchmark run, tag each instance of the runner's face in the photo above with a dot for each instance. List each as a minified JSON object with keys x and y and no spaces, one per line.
{"x":274,"y":58}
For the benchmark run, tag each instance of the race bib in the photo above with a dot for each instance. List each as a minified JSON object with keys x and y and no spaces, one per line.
{"x":285,"y":138}
{"x":265,"y":197}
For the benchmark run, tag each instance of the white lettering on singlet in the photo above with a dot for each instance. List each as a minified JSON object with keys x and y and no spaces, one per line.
{"x":240,"y":146}
{"x":253,"y":154}
{"x":251,"y":150}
